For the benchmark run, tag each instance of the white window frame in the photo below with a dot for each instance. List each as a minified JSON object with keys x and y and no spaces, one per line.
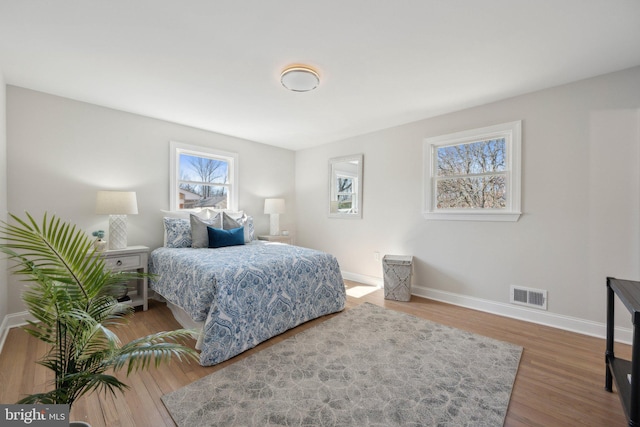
{"x":178,"y":148}
{"x":512,"y":133}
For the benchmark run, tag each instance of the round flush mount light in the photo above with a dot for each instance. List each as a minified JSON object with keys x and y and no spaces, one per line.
{"x":299,"y":78}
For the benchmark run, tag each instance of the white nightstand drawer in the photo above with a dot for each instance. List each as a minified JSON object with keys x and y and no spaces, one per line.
{"x":123,"y":262}
{"x":131,"y":258}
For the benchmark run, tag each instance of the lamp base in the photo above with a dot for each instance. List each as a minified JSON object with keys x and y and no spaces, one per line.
{"x":274,"y":224}
{"x":117,"y":231}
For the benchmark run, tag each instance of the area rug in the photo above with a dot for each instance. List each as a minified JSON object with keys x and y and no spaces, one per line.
{"x":367,"y":366}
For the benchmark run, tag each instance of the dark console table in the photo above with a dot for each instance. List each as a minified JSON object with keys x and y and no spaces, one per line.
{"x":618,"y":369}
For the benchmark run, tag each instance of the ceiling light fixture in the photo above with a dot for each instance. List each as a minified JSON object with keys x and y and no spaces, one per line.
{"x":299,"y":78}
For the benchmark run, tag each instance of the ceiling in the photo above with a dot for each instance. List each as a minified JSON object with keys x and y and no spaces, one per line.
{"x":215,"y":65}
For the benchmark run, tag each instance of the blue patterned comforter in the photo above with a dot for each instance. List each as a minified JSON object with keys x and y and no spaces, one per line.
{"x":247,"y":294}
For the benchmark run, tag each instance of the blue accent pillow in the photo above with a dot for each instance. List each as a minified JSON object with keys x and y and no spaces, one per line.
{"x":221,"y":238}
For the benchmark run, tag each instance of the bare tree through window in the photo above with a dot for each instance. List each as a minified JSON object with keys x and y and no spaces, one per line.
{"x":203,"y":182}
{"x":345,"y":193}
{"x":472,"y":175}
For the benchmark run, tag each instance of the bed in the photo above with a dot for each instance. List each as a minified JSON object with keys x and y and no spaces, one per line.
{"x":243,"y":295}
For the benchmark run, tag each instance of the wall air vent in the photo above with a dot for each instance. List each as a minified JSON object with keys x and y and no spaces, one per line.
{"x":536,"y":298}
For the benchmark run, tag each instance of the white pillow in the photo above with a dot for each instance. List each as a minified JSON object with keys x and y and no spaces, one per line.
{"x":230,"y":213}
{"x":184,"y":213}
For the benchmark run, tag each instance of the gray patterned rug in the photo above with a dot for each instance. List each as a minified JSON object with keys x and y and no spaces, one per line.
{"x":367,"y":366}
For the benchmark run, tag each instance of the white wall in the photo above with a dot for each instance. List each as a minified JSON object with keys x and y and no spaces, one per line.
{"x":581,"y":201}
{"x":581,"y":191}
{"x":60,"y":152}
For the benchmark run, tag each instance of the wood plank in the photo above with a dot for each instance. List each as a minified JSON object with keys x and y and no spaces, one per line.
{"x":560,"y":380}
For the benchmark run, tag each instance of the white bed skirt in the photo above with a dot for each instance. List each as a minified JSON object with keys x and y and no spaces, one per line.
{"x":187,"y":322}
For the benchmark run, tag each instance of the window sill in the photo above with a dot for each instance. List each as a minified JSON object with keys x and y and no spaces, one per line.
{"x":473,"y":216}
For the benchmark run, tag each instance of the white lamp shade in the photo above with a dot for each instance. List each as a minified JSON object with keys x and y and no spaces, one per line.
{"x":274,"y":206}
{"x":116,"y":203}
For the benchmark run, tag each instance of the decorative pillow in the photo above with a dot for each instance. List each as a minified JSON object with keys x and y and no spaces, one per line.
{"x":245,"y":221}
{"x":249,"y":232}
{"x":182,"y":214}
{"x":221,"y":238}
{"x":233,"y":214}
{"x":185,"y":213}
{"x":177,"y":233}
{"x":199,"y":234}
{"x":228,"y":222}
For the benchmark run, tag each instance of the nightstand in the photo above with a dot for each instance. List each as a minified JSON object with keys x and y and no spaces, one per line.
{"x":131,"y":258}
{"x":279,"y":239}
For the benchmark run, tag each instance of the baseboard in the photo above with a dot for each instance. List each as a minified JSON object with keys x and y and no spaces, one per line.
{"x":361,"y":278}
{"x":567,"y":323}
{"x":12,"y":321}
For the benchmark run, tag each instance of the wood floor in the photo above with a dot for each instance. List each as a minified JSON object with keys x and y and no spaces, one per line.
{"x":560,"y":381}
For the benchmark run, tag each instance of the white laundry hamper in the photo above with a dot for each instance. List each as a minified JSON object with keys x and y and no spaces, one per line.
{"x":397,"y":271}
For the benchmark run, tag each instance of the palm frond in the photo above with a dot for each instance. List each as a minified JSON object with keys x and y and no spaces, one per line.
{"x":157,"y":348}
{"x":71,"y":295}
{"x":108,"y":311}
{"x":43,"y":398}
{"x":56,"y":250}
{"x":101,"y":383}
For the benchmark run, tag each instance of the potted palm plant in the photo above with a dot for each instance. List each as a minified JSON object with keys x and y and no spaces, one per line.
{"x":71,"y":296}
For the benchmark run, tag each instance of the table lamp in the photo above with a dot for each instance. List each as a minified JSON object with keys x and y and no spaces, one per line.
{"x":117,"y":204}
{"x":274,"y":207}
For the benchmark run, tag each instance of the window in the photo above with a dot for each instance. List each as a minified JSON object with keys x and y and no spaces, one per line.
{"x":474,"y":175}
{"x":345,"y":187}
{"x":202,"y":177}
{"x":345,"y":193}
